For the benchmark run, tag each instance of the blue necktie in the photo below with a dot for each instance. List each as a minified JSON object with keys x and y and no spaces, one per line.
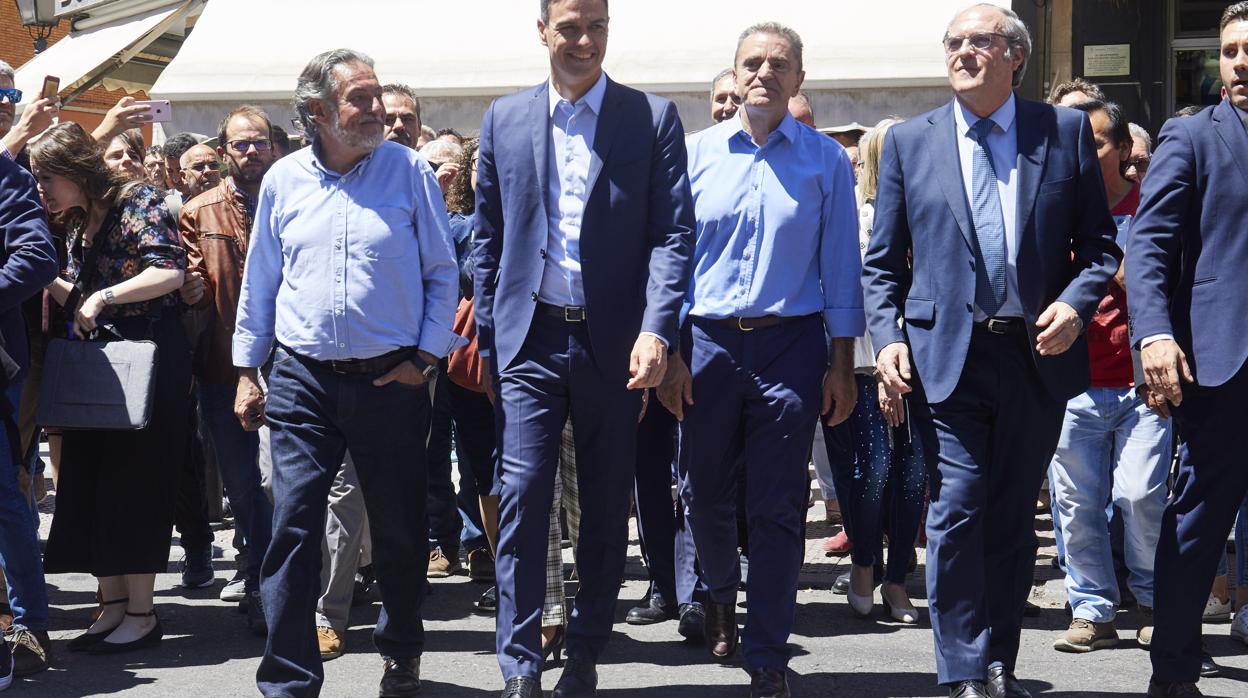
{"x":989,"y":224}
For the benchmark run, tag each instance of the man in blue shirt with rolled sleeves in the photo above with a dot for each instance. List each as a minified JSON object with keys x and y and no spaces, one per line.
{"x":776,"y":269}
{"x":350,"y":286}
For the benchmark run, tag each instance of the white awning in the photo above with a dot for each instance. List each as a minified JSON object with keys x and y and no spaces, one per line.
{"x":659,"y":45}
{"x":86,"y":55}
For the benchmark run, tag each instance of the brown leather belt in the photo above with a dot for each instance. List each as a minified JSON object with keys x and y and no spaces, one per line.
{"x":749,"y":324}
{"x":569,"y":313}
{"x":375,"y":365}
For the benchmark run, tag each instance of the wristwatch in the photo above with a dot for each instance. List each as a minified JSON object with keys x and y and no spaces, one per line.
{"x":428,"y":370}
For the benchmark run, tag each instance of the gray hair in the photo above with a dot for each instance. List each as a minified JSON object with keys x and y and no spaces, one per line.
{"x":776,"y":29}
{"x":317,"y":82}
{"x":6,"y":71}
{"x":725,"y":73}
{"x":1016,"y":35}
{"x":1140,"y":134}
{"x":442,"y":151}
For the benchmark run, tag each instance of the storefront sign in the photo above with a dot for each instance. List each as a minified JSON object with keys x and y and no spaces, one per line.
{"x":1107,"y":59}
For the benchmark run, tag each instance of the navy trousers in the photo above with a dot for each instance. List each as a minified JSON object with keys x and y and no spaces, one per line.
{"x":756,"y":395}
{"x":987,"y":448}
{"x":554,"y":376}
{"x":1212,"y":482}
{"x":316,"y":416}
{"x":445,"y":524}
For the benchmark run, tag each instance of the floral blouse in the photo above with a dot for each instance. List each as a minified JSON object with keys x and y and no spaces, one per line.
{"x":143,"y":234}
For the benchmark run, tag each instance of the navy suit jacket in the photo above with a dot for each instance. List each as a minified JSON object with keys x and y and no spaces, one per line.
{"x":1187,"y":256}
{"x":27,"y":261}
{"x":1065,"y":234}
{"x":636,"y":234}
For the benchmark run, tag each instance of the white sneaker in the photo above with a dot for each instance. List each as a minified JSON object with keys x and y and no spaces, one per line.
{"x":1216,"y":611}
{"x":234,"y":590}
{"x":1239,"y":626}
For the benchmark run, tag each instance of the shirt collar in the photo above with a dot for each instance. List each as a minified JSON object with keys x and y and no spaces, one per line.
{"x":592,"y":99}
{"x":1003,"y":117}
{"x":788,"y":128}
{"x":319,"y":166}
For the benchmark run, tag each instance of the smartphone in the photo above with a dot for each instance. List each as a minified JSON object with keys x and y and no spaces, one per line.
{"x":51,"y":86}
{"x":157,"y":109}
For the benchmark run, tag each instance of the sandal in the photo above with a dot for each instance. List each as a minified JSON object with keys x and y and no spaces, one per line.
{"x":84,"y":641}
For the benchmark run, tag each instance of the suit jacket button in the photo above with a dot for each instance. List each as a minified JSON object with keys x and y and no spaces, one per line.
{"x":542,"y":253}
{"x":972,"y":262}
{"x":533,"y":295}
{"x":970,"y":308}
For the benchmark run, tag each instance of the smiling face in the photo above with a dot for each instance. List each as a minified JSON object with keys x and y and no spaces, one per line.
{"x":982,"y":74}
{"x":767,"y":73}
{"x":576,"y":37}
{"x":120,"y":159}
{"x":1233,"y":63}
{"x":724,"y":99}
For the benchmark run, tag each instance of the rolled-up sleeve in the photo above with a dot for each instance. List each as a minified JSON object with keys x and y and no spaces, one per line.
{"x":262,"y":275}
{"x":438,"y":267}
{"x":840,"y":264}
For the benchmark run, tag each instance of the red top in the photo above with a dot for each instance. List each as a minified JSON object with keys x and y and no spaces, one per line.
{"x":1109,"y":345}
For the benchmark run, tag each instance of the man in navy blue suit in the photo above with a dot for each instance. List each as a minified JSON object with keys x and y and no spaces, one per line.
{"x":583,"y":240}
{"x":992,"y":246}
{"x":1188,"y":297}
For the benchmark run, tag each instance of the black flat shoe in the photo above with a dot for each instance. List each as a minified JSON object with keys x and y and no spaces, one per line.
{"x":151,"y":639}
{"x":552,"y":653}
{"x":579,"y":679}
{"x":83,"y":642}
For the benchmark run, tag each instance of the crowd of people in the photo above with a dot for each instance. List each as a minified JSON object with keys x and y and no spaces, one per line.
{"x":588,"y":305}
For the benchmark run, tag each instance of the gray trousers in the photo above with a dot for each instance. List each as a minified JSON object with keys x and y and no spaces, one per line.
{"x":346,"y":547}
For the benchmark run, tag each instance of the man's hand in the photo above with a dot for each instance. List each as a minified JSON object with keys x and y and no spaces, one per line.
{"x":193,"y":288}
{"x":893,"y":408}
{"x":676,"y":390}
{"x":1165,"y":365}
{"x":445,"y":175}
{"x":36,"y":118}
{"x":1153,"y":400}
{"x":840,"y":392}
{"x":1061,"y":325}
{"x":407,"y":373}
{"x":123,"y":116}
{"x":249,"y":400}
{"x":892,"y":365}
{"x":648,"y":363}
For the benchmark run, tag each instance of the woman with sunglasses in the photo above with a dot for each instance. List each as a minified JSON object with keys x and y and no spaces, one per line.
{"x":114,"y":515}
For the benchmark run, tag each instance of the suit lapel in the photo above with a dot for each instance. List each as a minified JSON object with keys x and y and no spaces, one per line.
{"x":608,"y":127}
{"x":1033,"y":123}
{"x":943,"y":142}
{"x":1231,"y":129}
{"x":539,"y":127}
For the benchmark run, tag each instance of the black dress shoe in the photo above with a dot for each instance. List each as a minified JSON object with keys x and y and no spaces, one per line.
{"x":1208,"y":667}
{"x":1165,"y":689}
{"x":1003,"y":684}
{"x":721,"y":629}
{"x":522,"y":687}
{"x":841,"y":585}
{"x":692,"y":622}
{"x":652,"y":609}
{"x":488,"y":603}
{"x":580,"y":678}
{"x":151,"y":639}
{"x":401,"y":678}
{"x":968,"y":689}
{"x":769,"y":683}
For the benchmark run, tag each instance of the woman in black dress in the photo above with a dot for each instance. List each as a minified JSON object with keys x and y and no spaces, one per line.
{"x":115,"y":494}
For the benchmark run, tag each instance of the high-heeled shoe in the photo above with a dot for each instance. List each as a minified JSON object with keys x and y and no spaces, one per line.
{"x":151,"y":639}
{"x":861,"y":604}
{"x":84,"y":641}
{"x":552,"y":653}
{"x":902,"y":614}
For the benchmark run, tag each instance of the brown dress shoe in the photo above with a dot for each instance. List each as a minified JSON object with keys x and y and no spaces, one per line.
{"x":721,"y":629}
{"x":769,"y":683}
{"x":443,"y":565}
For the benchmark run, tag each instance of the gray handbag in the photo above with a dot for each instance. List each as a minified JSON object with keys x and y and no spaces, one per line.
{"x":97,"y":385}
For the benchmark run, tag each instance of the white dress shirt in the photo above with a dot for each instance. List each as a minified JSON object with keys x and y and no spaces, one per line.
{"x":1003,"y":147}
{"x":572,"y":169}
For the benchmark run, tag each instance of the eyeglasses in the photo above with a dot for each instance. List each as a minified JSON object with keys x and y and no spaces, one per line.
{"x":12,"y":95}
{"x":409,"y":120}
{"x":241,"y":147}
{"x":202,"y":166}
{"x":981,"y":41}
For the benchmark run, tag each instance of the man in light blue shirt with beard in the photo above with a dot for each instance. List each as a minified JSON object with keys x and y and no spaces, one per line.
{"x":771,"y":313}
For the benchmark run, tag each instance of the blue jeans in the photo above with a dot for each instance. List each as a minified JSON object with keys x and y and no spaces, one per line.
{"x":1112,"y":450}
{"x":315,"y":416}
{"x":19,"y":537}
{"x":238,"y":459}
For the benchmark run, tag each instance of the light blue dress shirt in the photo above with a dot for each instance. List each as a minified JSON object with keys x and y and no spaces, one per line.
{"x":572,"y":170}
{"x":1003,"y":146}
{"x":348,"y":266}
{"x":777,"y":229}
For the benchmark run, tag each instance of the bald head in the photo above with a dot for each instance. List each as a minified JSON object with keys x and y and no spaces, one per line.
{"x":201,"y":171}
{"x":800,"y":109}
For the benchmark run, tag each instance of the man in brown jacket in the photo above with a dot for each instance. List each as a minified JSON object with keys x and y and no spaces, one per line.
{"x":216,"y":227}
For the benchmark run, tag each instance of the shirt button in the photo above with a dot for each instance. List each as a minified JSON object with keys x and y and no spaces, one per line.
{"x":533,"y":295}
{"x":542,"y":253}
{"x":341,"y":345}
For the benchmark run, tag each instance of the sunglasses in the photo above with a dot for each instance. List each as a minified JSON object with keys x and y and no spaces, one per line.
{"x":202,"y":166}
{"x":262,"y":146}
{"x":980,"y":42}
{"x":12,"y":95}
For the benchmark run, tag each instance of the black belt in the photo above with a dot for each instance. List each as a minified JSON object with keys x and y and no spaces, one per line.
{"x":375,"y":365}
{"x":567,"y":313}
{"x":1003,"y":325}
{"x":749,"y":324}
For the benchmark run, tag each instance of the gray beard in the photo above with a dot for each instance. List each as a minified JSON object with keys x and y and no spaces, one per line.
{"x":352,"y":139}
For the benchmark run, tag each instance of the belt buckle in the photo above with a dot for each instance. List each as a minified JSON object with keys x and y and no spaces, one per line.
{"x":573,"y":313}
{"x":743,"y":328}
{"x":998,"y":326}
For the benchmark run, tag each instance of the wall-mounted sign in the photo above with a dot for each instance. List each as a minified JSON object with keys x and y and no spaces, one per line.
{"x":1106,"y":59}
